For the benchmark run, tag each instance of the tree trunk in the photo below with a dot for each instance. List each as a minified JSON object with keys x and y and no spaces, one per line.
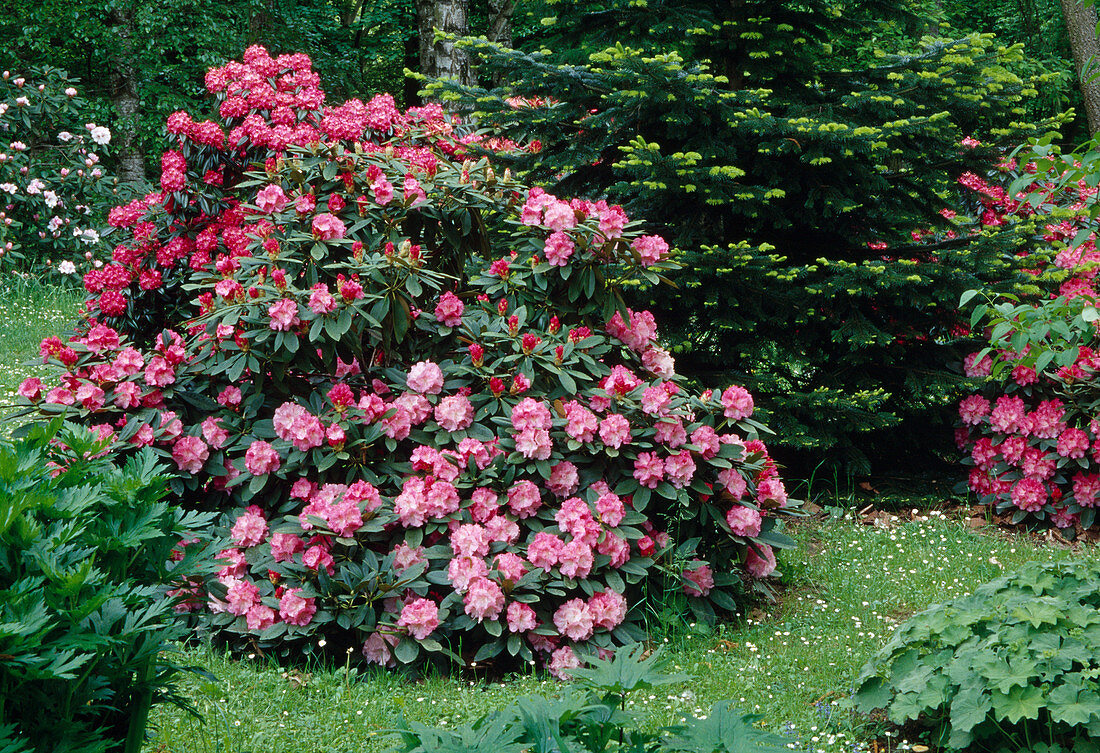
{"x":443,"y":59}
{"x":500,"y":30}
{"x":124,"y":95}
{"x":1081,"y":27}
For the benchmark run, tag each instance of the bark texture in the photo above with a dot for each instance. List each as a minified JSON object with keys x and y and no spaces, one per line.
{"x":124,"y":95}
{"x":1081,"y":28}
{"x":443,"y":59}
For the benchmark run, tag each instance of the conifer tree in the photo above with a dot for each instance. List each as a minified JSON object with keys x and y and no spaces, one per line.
{"x":792,"y":183}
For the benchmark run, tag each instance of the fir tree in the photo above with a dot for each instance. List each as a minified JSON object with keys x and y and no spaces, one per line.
{"x":780,"y":173}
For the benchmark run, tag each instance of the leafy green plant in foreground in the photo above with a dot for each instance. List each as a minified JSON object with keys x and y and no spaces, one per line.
{"x":1010,"y":667}
{"x":86,"y":551}
{"x":591,"y":715}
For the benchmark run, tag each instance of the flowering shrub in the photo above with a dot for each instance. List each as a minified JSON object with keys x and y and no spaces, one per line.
{"x":1030,"y":434}
{"x":53,"y":189}
{"x":414,"y":386}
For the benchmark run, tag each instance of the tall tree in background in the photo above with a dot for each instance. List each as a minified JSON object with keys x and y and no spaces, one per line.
{"x":1081,"y":22}
{"x":791,"y":180}
{"x":440,"y":57}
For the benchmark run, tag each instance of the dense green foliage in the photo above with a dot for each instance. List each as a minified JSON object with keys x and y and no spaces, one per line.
{"x":783,"y":179}
{"x":1009,"y":667}
{"x":85,"y":550}
{"x":591,"y":715}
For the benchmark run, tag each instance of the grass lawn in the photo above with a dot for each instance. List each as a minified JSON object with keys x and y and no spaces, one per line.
{"x":31,"y":312}
{"x":847,"y":587}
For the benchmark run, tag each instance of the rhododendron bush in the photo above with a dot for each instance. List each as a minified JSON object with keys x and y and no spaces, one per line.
{"x":53,"y":187}
{"x":1031,"y":433}
{"x":413,"y":386}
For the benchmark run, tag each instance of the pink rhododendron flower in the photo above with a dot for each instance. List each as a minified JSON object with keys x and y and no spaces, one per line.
{"x":296,"y":425}
{"x":534,"y":444}
{"x":649,"y":469}
{"x":470,"y":540}
{"x":213,"y":433}
{"x":575,"y":559}
{"x":426,"y":378}
{"x":190,"y":454}
{"x":680,"y":469}
{"x":250,"y":528}
{"x":448,"y":311}
{"x":973,"y":409}
{"x":421,"y":617}
{"x":510,"y":566}
{"x":284,"y":315}
{"x":651,"y":249}
{"x":573,"y":619}
{"x":1029,"y":494}
{"x":608,"y":609}
{"x":744,"y":521}
{"x":611,"y":509}
{"x":327,"y":226}
{"x":563,"y":660}
{"x":240,"y":596}
{"x":317,"y":557}
{"x":737,"y":403}
{"x":483,"y":599}
{"x":285,"y":545}
{"x":558,"y":248}
{"x":582,"y":423}
{"x":295,"y":609}
{"x":378,"y":649}
{"x":563,"y":479}
{"x":524,"y":499}
{"x":544,"y":550}
{"x":760,"y":564}
{"x":771,"y":489}
{"x":271,"y":199}
{"x":615,"y":431}
{"x":259,"y":617}
{"x":699,"y":581}
{"x":463,"y":569}
{"x":454,"y":413}
{"x":321,"y":301}
{"x":261,"y":458}
{"x":405,"y":556}
{"x":521,"y":618}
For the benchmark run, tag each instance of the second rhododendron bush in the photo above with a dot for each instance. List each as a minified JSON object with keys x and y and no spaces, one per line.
{"x":413,"y":387}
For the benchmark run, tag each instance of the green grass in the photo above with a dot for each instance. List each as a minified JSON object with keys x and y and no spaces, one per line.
{"x":30,"y":311}
{"x":848,"y":587}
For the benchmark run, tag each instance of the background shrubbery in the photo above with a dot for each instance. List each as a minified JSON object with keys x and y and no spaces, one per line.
{"x":54,"y":183}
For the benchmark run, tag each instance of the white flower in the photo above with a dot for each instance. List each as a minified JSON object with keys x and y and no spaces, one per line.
{"x":9,"y":188}
{"x":18,"y":146}
{"x":66,"y":268}
{"x":70,"y":92}
{"x":35,"y":187}
{"x":101,"y":135}
{"x":55,"y":224}
{"x":3,"y":108}
{"x":89,"y":236}
{"x":64,"y":136}
{"x":22,"y":101}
